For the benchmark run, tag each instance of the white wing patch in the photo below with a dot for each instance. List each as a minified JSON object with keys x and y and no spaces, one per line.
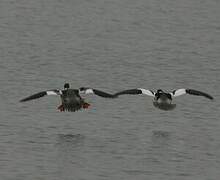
{"x":58,"y":92}
{"x":178,"y":92}
{"x":89,"y":91}
{"x":147,"y":92}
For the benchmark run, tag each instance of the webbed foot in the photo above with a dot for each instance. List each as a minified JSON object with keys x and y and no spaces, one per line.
{"x":61,"y":108}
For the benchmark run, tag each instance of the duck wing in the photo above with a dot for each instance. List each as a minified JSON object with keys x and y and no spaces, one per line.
{"x":84,"y":90}
{"x":180,"y":92}
{"x":41,"y":94}
{"x":136,"y":91}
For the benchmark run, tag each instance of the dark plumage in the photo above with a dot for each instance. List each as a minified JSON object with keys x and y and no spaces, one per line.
{"x":163,"y":100}
{"x":70,"y":98}
{"x":198,"y":93}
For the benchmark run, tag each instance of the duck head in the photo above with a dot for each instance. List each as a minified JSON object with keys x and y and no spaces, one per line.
{"x":160,"y":91}
{"x":66,"y":86}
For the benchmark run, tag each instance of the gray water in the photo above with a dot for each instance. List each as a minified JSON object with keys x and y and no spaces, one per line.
{"x":110,"y":45}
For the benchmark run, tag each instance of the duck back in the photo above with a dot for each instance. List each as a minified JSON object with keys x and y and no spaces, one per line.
{"x":71,"y":100}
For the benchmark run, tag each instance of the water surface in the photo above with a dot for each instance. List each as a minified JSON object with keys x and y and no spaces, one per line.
{"x":110,"y":45}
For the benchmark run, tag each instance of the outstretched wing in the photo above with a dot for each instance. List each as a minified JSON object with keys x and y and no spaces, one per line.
{"x":97,"y":92}
{"x":41,"y":94}
{"x":136,"y":91}
{"x":180,"y":92}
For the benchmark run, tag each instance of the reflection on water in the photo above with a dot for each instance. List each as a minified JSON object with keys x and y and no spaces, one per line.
{"x":161,"y":134}
{"x":70,"y":140}
{"x":74,"y":138}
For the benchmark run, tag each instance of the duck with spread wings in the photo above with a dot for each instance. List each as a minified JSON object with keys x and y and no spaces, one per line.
{"x":163,"y":100}
{"x":70,"y":98}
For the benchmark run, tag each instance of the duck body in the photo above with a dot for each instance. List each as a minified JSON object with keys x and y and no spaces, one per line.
{"x":71,"y":100}
{"x":163,"y":101}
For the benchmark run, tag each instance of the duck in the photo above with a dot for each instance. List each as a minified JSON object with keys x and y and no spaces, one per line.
{"x":163,"y":100}
{"x":71,"y":99}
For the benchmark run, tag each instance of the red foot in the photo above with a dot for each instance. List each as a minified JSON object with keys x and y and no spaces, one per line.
{"x":61,"y":108}
{"x":86,"y":105}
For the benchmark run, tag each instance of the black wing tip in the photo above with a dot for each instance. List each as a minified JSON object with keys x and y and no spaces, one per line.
{"x":34,"y":96}
{"x":23,"y":100}
{"x":211,"y":98}
{"x":26,"y":99}
{"x":199,"y":93}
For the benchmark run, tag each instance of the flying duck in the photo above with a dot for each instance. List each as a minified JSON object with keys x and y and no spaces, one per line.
{"x":163,"y":100}
{"x":70,"y":98}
